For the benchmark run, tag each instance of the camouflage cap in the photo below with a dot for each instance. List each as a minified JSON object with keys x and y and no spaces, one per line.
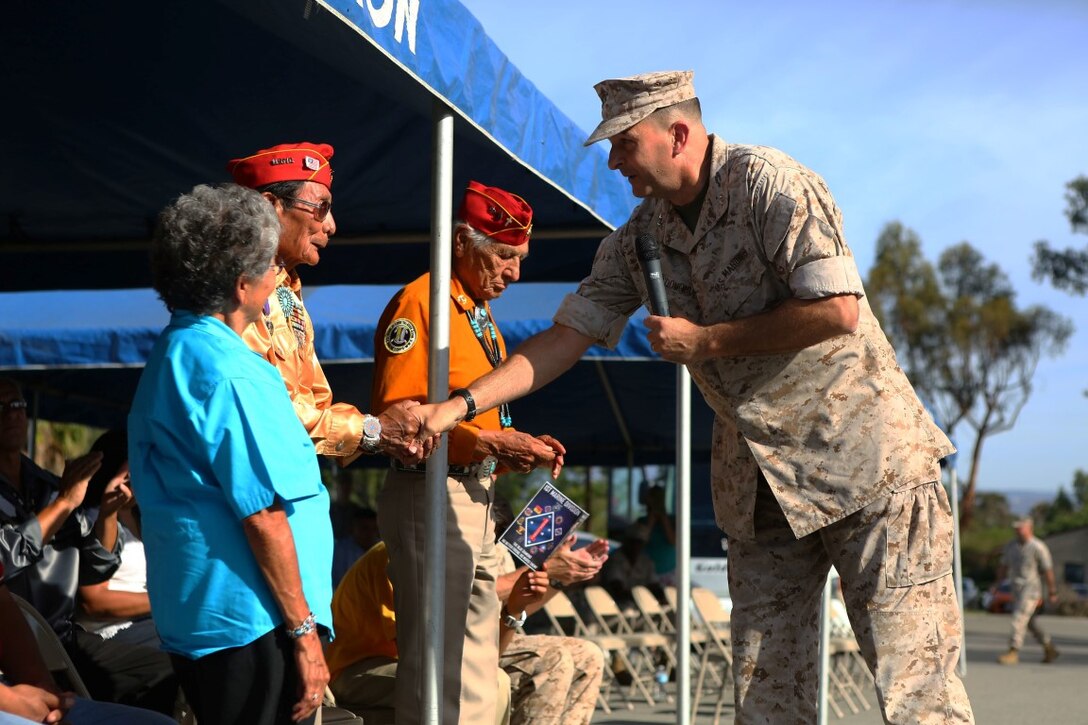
{"x":626,"y":101}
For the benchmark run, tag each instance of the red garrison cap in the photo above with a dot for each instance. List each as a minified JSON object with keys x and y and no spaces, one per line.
{"x":500,"y":215}
{"x":301,"y":161}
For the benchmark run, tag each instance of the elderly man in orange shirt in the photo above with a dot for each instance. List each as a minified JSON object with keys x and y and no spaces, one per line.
{"x":296,"y":178}
{"x":491,"y":239}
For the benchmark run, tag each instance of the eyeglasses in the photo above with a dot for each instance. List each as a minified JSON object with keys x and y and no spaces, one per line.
{"x":320,"y":210}
{"x":12,"y":405}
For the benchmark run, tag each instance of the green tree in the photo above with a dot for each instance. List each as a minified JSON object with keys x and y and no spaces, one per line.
{"x":1062,"y":506}
{"x":1080,"y":488}
{"x":1067,"y":269}
{"x":963,"y":342}
{"x":992,"y":510}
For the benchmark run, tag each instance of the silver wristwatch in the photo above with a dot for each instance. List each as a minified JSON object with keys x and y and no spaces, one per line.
{"x":511,"y":621}
{"x":372,"y":435}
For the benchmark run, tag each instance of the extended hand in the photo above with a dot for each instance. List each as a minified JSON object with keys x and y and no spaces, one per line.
{"x":571,"y":566}
{"x":437,"y":418}
{"x":676,"y":339}
{"x":77,"y":474}
{"x":401,"y":433}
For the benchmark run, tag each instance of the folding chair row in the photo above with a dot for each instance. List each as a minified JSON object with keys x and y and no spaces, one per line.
{"x":717,"y":655}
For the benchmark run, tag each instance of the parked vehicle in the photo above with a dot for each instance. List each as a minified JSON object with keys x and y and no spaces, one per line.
{"x":971,"y":593}
{"x":999,"y":599}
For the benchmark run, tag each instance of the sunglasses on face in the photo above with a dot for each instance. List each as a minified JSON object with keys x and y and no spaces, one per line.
{"x":320,"y":210}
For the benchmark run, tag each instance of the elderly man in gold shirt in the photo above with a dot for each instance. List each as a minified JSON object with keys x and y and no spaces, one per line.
{"x":296,"y":178}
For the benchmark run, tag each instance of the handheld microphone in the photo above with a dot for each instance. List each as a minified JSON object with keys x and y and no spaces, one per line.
{"x":649,"y":257}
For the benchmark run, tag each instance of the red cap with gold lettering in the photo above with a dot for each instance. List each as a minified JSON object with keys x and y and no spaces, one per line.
{"x":301,"y":161}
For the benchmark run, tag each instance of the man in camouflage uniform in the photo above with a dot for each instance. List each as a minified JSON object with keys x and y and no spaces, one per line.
{"x":1024,"y":559}
{"x":823,"y":454}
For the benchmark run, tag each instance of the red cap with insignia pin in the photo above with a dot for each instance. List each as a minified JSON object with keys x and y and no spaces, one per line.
{"x":500,"y":215}
{"x":303,"y":161}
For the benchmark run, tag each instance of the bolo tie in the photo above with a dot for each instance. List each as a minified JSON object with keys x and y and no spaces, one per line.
{"x":479,"y":320}
{"x":293,"y":313}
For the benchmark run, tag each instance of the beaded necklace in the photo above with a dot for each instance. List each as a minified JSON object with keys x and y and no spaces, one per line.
{"x":494,"y":354}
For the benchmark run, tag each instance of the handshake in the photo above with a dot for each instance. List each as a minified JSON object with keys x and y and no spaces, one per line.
{"x":411,"y":431}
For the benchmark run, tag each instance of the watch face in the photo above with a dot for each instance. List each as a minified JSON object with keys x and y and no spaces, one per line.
{"x":372,"y":428}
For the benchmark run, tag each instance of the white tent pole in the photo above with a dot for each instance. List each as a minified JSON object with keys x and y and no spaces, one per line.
{"x":438,"y":386}
{"x":957,"y":562}
{"x":683,"y":545}
{"x":825,"y":651}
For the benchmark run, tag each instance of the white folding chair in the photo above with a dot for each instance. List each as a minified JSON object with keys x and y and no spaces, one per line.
{"x":566,"y":621}
{"x":848,"y":670}
{"x":640,"y":646}
{"x":716,"y":649}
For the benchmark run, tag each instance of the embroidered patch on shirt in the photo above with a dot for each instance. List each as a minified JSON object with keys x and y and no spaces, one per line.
{"x":400,"y":336}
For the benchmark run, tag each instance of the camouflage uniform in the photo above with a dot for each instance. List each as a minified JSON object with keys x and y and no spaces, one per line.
{"x":555,"y":680}
{"x":1025,"y":563}
{"x":832,"y":436}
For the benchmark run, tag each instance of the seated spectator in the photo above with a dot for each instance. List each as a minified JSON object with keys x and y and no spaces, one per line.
{"x":362,"y":534}
{"x":554,"y":679}
{"x":119,"y":609}
{"x":28,"y":693}
{"x":661,"y":545}
{"x":363,"y":657}
{"x":50,"y":545}
{"x":630,"y":566}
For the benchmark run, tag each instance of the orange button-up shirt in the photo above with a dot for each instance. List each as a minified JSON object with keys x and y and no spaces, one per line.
{"x":401,"y":346}
{"x":335,"y":428}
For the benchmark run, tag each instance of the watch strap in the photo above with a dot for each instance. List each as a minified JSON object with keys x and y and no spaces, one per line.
{"x":511,"y":621}
{"x":470,"y":402}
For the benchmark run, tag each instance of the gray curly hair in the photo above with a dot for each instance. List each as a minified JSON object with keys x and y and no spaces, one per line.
{"x":206,"y":240}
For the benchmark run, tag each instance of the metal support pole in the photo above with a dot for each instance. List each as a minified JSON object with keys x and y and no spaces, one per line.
{"x":825,"y":651}
{"x":438,"y":386}
{"x":957,"y":563}
{"x":683,"y":545}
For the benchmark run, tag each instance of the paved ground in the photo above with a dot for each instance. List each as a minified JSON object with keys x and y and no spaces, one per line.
{"x":1055,"y":694}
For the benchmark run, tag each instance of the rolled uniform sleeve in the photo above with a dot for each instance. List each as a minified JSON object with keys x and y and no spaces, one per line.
{"x":802,"y":235}
{"x":605,"y":299}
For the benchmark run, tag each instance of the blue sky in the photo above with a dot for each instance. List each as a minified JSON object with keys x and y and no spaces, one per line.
{"x":963,"y":119}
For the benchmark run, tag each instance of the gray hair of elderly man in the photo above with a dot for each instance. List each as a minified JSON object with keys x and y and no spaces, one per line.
{"x":205,"y":240}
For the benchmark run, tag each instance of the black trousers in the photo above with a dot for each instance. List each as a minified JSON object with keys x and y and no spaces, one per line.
{"x":256,"y":684}
{"x":128,"y":669}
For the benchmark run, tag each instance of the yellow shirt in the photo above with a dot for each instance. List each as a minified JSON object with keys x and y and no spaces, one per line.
{"x":362,"y":613}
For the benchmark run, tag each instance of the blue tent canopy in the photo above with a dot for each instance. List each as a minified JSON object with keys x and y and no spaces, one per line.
{"x":79,"y":355}
{"x":116,"y":108}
